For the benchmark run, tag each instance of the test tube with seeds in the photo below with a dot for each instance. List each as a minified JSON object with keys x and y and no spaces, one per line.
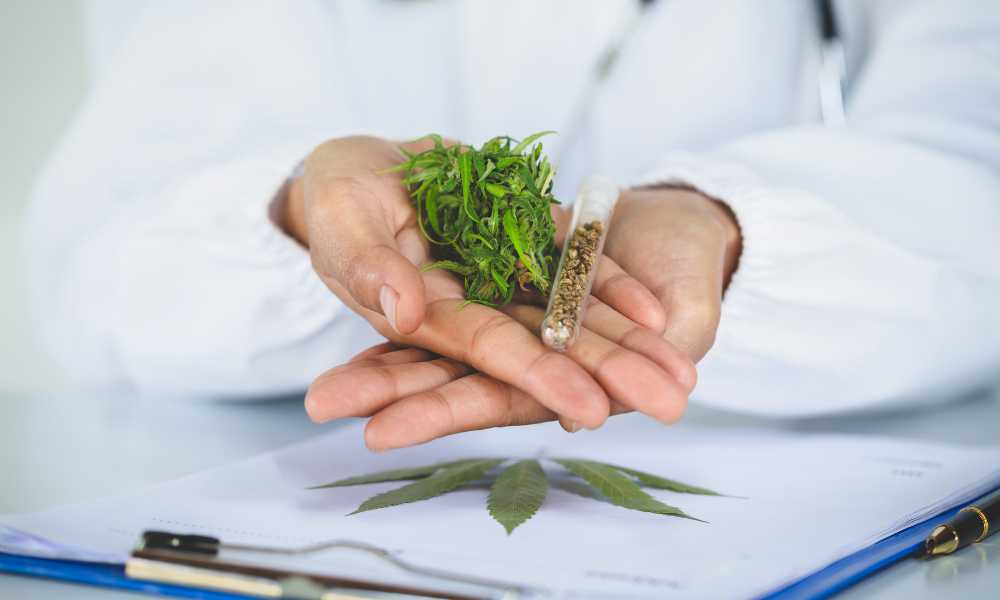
{"x":578,"y":264}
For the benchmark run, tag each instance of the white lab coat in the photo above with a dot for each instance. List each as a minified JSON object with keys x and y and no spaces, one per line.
{"x":869,"y":271}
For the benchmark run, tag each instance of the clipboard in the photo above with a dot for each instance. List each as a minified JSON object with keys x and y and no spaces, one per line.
{"x":208,"y":562}
{"x":822,"y":584}
{"x":199,"y":566}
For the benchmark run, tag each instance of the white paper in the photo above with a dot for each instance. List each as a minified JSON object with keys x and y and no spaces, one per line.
{"x":808,"y":500}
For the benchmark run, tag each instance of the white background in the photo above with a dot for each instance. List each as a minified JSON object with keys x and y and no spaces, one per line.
{"x":42,"y":80}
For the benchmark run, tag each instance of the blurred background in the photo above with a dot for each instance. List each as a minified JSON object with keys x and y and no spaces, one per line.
{"x":43,"y":77}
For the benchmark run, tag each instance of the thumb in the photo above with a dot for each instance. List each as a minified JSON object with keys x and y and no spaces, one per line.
{"x":693,"y":303}
{"x":354,"y":247}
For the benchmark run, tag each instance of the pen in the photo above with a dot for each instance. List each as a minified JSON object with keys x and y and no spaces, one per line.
{"x":972,"y":524}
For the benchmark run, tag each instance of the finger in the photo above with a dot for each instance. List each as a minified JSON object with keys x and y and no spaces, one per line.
{"x":606,"y":322}
{"x":609,"y":324}
{"x":362,"y":390}
{"x":319,"y":397}
{"x":628,"y":377}
{"x":395,"y":357}
{"x":375,"y":350}
{"x":624,"y":293}
{"x":685,"y":266}
{"x":617,"y":408}
{"x":490,"y":341}
{"x":692,"y":298}
{"x":472,"y":402}
{"x":353,"y":243}
{"x":614,"y":286}
{"x":601,"y":319}
{"x":371,"y":384}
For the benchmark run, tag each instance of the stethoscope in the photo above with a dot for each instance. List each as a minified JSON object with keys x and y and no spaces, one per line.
{"x":831,"y":73}
{"x":832,"y":68}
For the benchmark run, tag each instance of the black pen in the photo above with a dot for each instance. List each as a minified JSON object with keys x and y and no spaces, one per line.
{"x":970,"y":525}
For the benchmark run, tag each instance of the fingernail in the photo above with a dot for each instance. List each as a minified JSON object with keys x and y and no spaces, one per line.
{"x":388,"y":298}
{"x":371,"y":442}
{"x":310,"y":406}
{"x":573,"y":427}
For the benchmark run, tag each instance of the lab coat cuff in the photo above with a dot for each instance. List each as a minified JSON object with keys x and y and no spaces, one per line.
{"x":213,"y":222}
{"x":780,"y":229}
{"x":274,"y":171}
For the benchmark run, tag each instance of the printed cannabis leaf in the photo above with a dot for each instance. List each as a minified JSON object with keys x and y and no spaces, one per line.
{"x":520,"y":490}
{"x":517,"y":494}
{"x":486,"y":212}
{"x":441,"y":482}
{"x":618,"y":488}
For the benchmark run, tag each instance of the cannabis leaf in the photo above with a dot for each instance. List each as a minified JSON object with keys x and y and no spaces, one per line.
{"x":394,"y":475}
{"x":618,"y":488}
{"x":662,"y":483}
{"x":517,"y":494}
{"x":529,"y":140}
{"x":441,"y":482}
{"x":486,"y":212}
{"x":520,"y":489}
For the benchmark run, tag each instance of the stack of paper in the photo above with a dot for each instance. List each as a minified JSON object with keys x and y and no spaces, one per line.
{"x":807,"y":500}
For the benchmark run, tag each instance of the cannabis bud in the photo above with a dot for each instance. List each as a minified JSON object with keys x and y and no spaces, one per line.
{"x":486,"y":212}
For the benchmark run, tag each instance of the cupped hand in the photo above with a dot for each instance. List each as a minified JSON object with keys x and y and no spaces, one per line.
{"x":680,"y":244}
{"x":414,"y":396}
{"x":684,"y":247}
{"x":361,"y":231}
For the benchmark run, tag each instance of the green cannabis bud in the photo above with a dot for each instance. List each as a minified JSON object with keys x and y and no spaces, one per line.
{"x":486,"y":212}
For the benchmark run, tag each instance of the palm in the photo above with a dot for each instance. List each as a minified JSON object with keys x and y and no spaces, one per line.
{"x":684,"y":248}
{"x":361,"y":226}
{"x":389,"y":202}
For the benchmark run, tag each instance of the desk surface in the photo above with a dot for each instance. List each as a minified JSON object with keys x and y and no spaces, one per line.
{"x":62,"y":448}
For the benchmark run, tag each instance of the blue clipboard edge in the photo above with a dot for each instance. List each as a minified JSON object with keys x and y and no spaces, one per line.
{"x":840,"y":575}
{"x":100,"y":575}
{"x":824,"y":583}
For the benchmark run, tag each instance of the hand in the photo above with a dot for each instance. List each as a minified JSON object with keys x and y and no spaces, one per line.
{"x":681,"y":244}
{"x":361,"y":231}
{"x":414,"y":396}
{"x":684,"y":247}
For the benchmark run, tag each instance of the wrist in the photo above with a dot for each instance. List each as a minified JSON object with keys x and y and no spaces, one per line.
{"x":719,"y":216}
{"x":732,"y":233}
{"x":288,"y":208}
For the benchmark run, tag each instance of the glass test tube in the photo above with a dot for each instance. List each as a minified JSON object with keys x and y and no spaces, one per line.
{"x":578,"y":264}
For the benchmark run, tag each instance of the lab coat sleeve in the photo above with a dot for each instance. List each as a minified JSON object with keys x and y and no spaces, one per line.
{"x":153,"y":262}
{"x":869,"y":275}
